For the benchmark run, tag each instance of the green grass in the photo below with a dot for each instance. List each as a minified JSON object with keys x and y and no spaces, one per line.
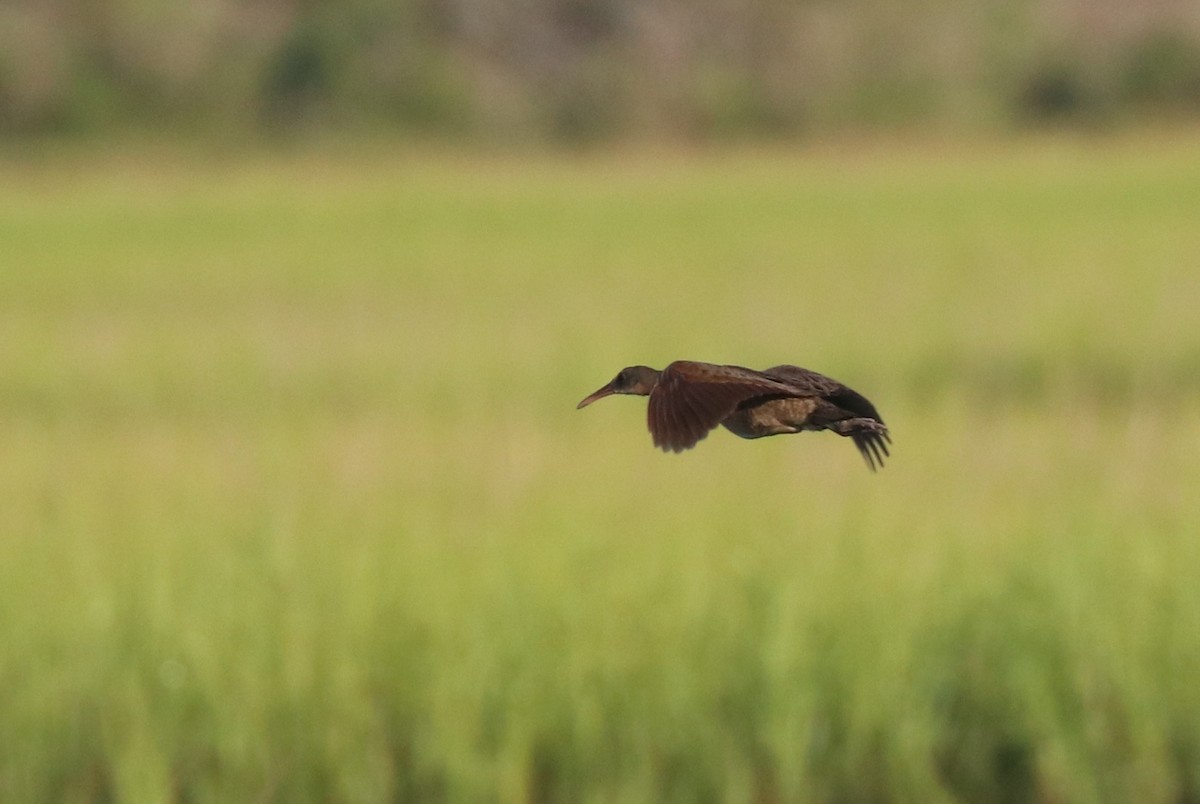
{"x":295,"y":504}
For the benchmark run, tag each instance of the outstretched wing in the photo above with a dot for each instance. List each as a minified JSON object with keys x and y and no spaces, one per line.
{"x":691,"y":399}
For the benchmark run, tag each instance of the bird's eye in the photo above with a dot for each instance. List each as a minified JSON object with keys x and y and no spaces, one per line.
{"x":620,"y":378}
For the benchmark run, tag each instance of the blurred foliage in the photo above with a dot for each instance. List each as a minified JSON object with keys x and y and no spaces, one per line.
{"x":587,"y":69}
{"x":297,"y":507}
{"x":1164,"y":70}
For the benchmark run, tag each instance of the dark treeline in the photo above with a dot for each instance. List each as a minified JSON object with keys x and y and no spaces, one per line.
{"x":590,"y":69}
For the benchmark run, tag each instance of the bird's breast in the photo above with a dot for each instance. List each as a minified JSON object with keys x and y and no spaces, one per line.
{"x":772,"y":417}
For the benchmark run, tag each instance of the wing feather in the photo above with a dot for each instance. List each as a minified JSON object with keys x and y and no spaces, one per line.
{"x":805,"y":380}
{"x":686,"y":416}
{"x":691,"y":399}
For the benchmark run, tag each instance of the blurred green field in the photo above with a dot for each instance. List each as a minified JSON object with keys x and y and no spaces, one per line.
{"x":296,"y":504}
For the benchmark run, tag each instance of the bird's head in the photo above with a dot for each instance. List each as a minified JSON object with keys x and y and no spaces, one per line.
{"x":635,"y":380}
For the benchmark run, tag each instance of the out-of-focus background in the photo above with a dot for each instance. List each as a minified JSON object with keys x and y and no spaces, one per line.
{"x":587,"y":70}
{"x":297,"y":300}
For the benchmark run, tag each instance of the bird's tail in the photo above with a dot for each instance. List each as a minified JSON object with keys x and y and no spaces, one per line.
{"x":871,"y":437}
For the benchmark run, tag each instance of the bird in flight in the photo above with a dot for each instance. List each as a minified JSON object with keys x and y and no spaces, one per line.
{"x":688,"y":399}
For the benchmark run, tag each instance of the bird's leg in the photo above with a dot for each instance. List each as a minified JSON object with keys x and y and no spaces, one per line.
{"x":850,"y":426}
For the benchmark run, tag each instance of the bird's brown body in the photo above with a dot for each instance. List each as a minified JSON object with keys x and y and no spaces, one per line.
{"x":688,"y":399}
{"x":774,"y":417}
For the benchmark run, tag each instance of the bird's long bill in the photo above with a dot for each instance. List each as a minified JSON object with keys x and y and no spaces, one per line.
{"x":599,"y":393}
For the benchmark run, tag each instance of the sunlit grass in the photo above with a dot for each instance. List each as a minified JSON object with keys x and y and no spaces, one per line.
{"x":296,"y":504}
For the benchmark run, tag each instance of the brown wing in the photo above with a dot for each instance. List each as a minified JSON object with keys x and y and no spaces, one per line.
{"x":804,"y":380}
{"x":691,"y":399}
